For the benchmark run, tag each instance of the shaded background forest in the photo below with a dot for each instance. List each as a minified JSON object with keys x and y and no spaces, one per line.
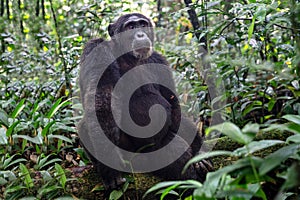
{"x":253,"y":54}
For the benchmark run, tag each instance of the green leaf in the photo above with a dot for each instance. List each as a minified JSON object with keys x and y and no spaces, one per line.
{"x":27,"y":179}
{"x":115,"y":195}
{"x":292,"y":118}
{"x":98,"y":187}
{"x":162,"y":185}
{"x":210,"y":154}
{"x":61,"y":174}
{"x":66,"y":198}
{"x":54,"y":108}
{"x":57,"y":106}
{"x":11,"y":128}
{"x":292,"y":177}
{"x":8,"y":175}
{"x":42,"y":162}
{"x":284,"y":196}
{"x":251,"y":28}
{"x":58,"y":126}
{"x":10,"y":162}
{"x":217,"y":99}
{"x":261,"y":13}
{"x":251,"y":130}
{"x":232,"y":131}
{"x":18,"y":109}
{"x":260,"y":193}
{"x":14,"y":189}
{"x":290,"y":127}
{"x":28,"y":198}
{"x":3,"y":137}
{"x":3,"y":181}
{"x":271,"y":104}
{"x":294,"y":138}
{"x":168,"y":190}
{"x":46,"y":176}
{"x":251,"y":107}
{"x":4,"y":118}
{"x":61,"y":137}
{"x":54,"y":160}
{"x":273,"y":160}
{"x":47,"y":127}
{"x":36,"y":140}
{"x":46,"y":189}
{"x":35,"y":108}
{"x":213,"y":178}
{"x":125,"y":186}
{"x":192,"y":183}
{"x":256,"y":146}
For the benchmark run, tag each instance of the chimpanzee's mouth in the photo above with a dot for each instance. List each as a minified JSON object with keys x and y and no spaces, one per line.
{"x":142,"y":49}
{"x":142,"y":53}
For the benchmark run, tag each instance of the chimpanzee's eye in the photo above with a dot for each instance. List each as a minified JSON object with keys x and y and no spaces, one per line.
{"x":144,"y":24}
{"x":129,"y":26}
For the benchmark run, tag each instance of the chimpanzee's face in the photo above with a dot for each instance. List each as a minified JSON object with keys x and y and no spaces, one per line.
{"x":136,"y":35}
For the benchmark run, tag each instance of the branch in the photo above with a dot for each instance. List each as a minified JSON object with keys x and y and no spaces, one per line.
{"x":60,"y":52}
{"x":196,"y":24}
{"x":208,"y":76}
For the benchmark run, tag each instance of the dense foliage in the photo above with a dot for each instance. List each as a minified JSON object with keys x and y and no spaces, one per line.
{"x":253,"y":57}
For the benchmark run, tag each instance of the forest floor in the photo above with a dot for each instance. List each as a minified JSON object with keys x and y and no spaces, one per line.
{"x":87,"y":184}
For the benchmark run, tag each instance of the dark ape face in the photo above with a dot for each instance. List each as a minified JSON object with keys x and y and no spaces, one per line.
{"x":134,"y":32}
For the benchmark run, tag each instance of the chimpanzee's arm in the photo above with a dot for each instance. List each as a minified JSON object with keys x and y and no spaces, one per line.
{"x":168,"y":93}
{"x":98,"y":75}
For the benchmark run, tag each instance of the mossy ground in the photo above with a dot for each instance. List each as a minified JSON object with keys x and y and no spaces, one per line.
{"x":88,"y":185}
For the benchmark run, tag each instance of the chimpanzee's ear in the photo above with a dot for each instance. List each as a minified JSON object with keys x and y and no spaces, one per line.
{"x":111,"y":28}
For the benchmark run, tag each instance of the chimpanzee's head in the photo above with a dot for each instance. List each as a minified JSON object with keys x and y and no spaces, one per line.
{"x":136,"y":34}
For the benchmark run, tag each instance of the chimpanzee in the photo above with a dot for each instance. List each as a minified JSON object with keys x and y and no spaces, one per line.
{"x":130,"y":47}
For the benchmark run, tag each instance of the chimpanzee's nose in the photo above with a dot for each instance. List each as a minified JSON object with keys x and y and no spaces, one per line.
{"x":140,"y":35}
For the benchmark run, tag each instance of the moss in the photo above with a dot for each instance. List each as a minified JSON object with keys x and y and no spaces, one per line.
{"x":227,"y":144}
{"x":89,"y":186}
{"x":83,"y":187}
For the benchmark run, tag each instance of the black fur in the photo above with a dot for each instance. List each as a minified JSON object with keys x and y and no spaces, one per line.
{"x":140,"y":102}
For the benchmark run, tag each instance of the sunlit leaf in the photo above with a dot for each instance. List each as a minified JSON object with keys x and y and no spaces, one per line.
{"x":168,"y":190}
{"x":162,"y":185}
{"x":36,"y":140}
{"x":115,"y":195}
{"x":58,"y":104}
{"x":293,"y":118}
{"x":232,"y":131}
{"x":61,"y":137}
{"x":251,"y":28}
{"x":27,"y":178}
{"x":256,"y":146}
{"x":61,"y":175}
{"x":18,"y":109}
{"x":294,"y":138}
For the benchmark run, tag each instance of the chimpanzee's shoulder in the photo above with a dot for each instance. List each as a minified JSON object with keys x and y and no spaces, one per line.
{"x":157,"y":58}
